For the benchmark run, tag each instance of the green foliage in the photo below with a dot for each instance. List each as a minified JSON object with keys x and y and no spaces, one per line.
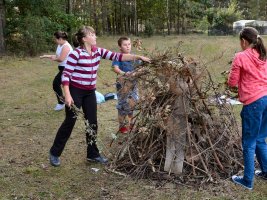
{"x":31,"y":25}
{"x":31,"y":22}
{"x":202,"y":25}
{"x":34,"y":34}
{"x":149,"y":29}
{"x":223,"y":18}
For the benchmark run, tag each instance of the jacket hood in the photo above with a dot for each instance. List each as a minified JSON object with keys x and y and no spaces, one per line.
{"x":254,"y":57}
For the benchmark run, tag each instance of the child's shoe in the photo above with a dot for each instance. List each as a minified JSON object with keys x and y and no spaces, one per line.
{"x":261,"y":174}
{"x":240,"y":181}
{"x":123,"y":130}
{"x":59,"y":107}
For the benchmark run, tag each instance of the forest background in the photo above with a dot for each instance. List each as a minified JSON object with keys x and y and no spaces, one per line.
{"x":27,"y":26}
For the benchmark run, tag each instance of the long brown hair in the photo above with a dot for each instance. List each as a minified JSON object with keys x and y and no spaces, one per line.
{"x":251,"y":35}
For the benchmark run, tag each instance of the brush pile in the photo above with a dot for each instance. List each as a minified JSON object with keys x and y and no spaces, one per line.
{"x":182,"y":128}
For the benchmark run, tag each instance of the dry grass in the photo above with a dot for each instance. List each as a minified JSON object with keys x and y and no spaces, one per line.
{"x":28,"y":125}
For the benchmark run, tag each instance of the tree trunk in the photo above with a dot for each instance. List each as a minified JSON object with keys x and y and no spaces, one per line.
{"x":135,"y":18}
{"x":95,"y":17}
{"x":178,"y":17}
{"x":168,"y":17}
{"x":2,"y":27}
{"x":69,"y":6}
{"x":104,"y":16}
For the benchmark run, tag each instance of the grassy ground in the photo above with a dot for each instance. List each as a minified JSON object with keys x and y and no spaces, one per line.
{"x":28,"y":125}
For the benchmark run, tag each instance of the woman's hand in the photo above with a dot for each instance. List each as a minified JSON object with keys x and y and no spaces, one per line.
{"x":68,"y":100}
{"x":54,"y":57}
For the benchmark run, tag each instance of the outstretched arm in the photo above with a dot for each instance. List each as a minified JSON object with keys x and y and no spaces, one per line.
{"x":106,"y":54}
{"x":64,"y":53}
{"x":46,"y":56}
{"x":129,"y":57}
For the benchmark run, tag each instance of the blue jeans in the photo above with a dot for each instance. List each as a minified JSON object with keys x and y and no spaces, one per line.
{"x":123,"y":105}
{"x":254,"y":137}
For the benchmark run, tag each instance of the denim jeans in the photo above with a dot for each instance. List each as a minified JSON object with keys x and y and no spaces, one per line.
{"x":254,"y":137}
{"x":123,"y":105}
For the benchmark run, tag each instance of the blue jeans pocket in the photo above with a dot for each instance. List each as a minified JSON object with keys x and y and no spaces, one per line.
{"x":251,"y":118}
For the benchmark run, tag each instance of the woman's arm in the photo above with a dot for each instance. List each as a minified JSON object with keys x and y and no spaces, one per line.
{"x":106,"y":54}
{"x":46,"y":56}
{"x":234,"y":75}
{"x":68,"y":98}
{"x":130,"y":57}
{"x":63,"y":55}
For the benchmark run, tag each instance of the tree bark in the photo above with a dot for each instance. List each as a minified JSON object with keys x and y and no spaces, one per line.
{"x":135,"y":18}
{"x":69,"y":7}
{"x":178,"y":17}
{"x":95,"y":17}
{"x":168,"y":17}
{"x":2,"y":27}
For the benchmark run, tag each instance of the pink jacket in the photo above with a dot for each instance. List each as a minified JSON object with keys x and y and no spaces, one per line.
{"x":249,"y":73}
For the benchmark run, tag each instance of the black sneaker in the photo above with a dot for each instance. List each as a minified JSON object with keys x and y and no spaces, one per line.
{"x":99,"y":159}
{"x":54,"y":160}
{"x":261,"y":174}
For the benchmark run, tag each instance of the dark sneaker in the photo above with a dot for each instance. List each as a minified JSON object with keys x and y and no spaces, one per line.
{"x":261,"y":174}
{"x":54,"y":160}
{"x":99,"y":159}
{"x":240,"y":181}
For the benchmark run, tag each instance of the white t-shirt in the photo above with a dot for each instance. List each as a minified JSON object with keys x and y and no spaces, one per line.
{"x":58,"y":52}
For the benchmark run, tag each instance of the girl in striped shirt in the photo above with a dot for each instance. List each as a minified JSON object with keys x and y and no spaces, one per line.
{"x":79,"y":83}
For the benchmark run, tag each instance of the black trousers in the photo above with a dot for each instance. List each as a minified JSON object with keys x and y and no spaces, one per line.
{"x":87,"y":100}
{"x":57,"y":84}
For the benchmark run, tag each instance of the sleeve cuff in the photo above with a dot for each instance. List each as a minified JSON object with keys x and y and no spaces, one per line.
{"x":65,"y":83}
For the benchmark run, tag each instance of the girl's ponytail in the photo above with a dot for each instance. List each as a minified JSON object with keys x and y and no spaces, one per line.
{"x":251,"y":35}
{"x":259,"y":46}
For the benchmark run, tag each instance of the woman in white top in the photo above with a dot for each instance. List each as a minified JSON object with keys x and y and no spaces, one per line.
{"x":62,"y":52}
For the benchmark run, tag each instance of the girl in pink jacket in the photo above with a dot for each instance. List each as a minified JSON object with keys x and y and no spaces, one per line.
{"x":249,"y":74}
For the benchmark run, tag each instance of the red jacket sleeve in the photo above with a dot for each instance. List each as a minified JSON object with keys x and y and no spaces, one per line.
{"x":234,"y":75}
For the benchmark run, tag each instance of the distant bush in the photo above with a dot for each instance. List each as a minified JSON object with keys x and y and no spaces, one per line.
{"x":149,"y":29}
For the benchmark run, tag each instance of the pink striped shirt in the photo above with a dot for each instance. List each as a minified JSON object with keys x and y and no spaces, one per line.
{"x":81,"y":68}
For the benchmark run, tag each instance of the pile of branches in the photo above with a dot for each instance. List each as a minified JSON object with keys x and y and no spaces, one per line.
{"x":178,"y":97}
